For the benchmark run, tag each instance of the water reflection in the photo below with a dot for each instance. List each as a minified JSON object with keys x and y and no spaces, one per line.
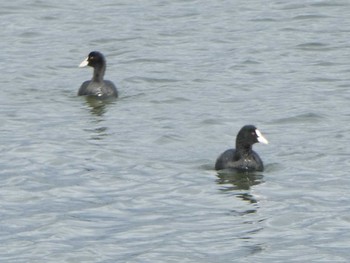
{"x":99,"y":133}
{"x":98,"y":107}
{"x":239,"y":180}
{"x":234,"y":181}
{"x":239,"y":184}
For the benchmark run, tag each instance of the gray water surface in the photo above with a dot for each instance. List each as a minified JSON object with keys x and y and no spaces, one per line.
{"x":132,"y":180}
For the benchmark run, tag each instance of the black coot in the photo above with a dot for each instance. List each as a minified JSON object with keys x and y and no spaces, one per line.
{"x":243,"y":158}
{"x":97,"y":86}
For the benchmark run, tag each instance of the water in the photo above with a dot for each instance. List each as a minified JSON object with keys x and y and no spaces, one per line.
{"x":133,"y":180}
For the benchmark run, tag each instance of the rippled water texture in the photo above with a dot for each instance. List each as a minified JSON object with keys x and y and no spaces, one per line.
{"x":132,"y":180}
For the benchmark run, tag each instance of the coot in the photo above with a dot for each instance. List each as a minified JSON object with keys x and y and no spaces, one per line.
{"x":97,"y":86}
{"x":243,"y":158}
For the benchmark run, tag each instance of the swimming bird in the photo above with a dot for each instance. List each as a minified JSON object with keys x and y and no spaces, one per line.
{"x":97,"y":86}
{"x":243,"y":158}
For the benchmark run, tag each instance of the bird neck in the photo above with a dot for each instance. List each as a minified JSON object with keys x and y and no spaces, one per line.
{"x":243,"y":148}
{"x":99,"y":72}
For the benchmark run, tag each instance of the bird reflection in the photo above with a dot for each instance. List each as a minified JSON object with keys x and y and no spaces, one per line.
{"x":239,"y":180}
{"x":99,"y":133}
{"x":232,"y":181}
{"x":239,"y":184}
{"x":97,"y":107}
